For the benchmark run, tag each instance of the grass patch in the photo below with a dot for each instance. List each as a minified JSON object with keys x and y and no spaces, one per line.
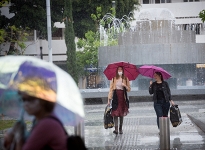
{"x":5,"y":124}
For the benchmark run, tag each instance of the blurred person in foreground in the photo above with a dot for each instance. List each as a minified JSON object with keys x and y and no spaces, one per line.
{"x":46,"y":132}
{"x":161,"y":96}
{"x":118,"y":86}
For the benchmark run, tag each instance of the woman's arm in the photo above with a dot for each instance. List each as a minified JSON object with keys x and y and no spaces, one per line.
{"x":151,"y":91}
{"x":127,"y":85}
{"x":111,"y":90}
{"x":169,"y":94}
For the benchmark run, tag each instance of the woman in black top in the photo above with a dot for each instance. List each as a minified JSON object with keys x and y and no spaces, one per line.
{"x":161,"y":96}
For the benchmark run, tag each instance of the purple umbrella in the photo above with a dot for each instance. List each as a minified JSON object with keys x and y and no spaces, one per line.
{"x":149,"y":71}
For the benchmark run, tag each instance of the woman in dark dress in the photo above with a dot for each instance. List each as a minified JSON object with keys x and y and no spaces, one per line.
{"x":118,"y":86}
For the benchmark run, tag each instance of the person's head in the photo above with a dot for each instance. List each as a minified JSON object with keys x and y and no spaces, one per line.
{"x":158,"y":76}
{"x":119,"y":72}
{"x":36,"y":106}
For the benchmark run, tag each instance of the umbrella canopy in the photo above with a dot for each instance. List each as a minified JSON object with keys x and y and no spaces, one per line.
{"x":149,"y":71}
{"x":44,"y":80}
{"x":130,"y":70}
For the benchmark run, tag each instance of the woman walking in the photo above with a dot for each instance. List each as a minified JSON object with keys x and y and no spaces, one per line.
{"x":161,"y":96}
{"x":119,"y":85}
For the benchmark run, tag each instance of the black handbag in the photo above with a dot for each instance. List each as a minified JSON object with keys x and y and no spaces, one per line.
{"x":175,"y":116}
{"x":108,"y":119}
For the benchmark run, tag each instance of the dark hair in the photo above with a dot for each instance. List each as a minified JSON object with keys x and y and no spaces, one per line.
{"x":160,"y":74}
{"x":117,"y":75}
{"x":48,"y":106}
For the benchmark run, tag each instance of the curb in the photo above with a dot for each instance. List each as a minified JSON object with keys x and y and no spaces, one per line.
{"x":197,"y":122}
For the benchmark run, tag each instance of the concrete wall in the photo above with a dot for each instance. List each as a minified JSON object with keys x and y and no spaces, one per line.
{"x":174,"y":53}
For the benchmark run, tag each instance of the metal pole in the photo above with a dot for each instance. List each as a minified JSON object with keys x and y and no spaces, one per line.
{"x":48,"y":11}
{"x":79,"y":130}
{"x":164,"y":133}
{"x":41,"y":47}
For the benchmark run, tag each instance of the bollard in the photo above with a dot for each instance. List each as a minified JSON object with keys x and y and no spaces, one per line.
{"x":79,"y":130}
{"x":164,"y":133}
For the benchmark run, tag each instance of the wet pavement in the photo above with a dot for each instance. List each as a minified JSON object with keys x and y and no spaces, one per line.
{"x":140,"y":130}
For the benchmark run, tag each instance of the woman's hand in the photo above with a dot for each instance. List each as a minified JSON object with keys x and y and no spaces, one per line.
{"x":15,"y":136}
{"x":124,"y":85}
{"x":150,"y":82}
{"x":172,"y":102}
{"x":8,"y":138}
{"x":108,"y":102}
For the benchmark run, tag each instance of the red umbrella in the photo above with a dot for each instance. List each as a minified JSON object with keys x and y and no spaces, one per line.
{"x":130,"y":70}
{"x":149,"y":71}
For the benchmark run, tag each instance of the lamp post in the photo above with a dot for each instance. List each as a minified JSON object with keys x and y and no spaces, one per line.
{"x":113,"y":6}
{"x":48,"y":11}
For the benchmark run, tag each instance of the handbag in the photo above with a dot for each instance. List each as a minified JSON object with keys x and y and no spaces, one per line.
{"x":175,"y":116}
{"x":108,"y":119}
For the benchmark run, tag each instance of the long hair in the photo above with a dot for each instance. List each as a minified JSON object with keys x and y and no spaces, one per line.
{"x":117,"y":75}
{"x":160,"y":74}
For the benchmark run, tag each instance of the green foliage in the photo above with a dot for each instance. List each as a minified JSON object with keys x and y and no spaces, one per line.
{"x":83,"y":8}
{"x":202,"y":15}
{"x":89,"y":55}
{"x":2,"y":35}
{"x":5,"y":124}
{"x":17,"y":37}
{"x":3,"y":2}
{"x":70,"y":40}
{"x":32,"y":14}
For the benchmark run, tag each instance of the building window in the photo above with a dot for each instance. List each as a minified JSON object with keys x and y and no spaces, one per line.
{"x":157,"y":1}
{"x":145,"y":1}
{"x":191,"y":0}
{"x":193,"y":27}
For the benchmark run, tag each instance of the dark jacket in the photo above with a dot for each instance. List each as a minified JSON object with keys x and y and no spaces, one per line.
{"x":166,"y":91}
{"x":115,"y":99}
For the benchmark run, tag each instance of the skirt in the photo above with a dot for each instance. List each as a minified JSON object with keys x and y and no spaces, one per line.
{"x":122,"y":109}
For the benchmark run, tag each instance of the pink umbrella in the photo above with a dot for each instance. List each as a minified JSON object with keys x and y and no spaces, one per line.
{"x":130,"y":70}
{"x":149,"y":71}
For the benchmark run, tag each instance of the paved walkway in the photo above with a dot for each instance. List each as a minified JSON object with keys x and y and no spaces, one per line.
{"x":140,"y":128}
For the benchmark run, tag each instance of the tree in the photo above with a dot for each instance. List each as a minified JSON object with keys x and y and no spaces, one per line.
{"x":89,"y":55}
{"x":70,"y":40}
{"x":3,"y":21}
{"x":202,"y":15}
{"x":16,"y":36}
{"x":83,"y":8}
{"x":32,"y":14}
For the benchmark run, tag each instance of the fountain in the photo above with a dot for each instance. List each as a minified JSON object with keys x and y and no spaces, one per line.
{"x":154,"y":39}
